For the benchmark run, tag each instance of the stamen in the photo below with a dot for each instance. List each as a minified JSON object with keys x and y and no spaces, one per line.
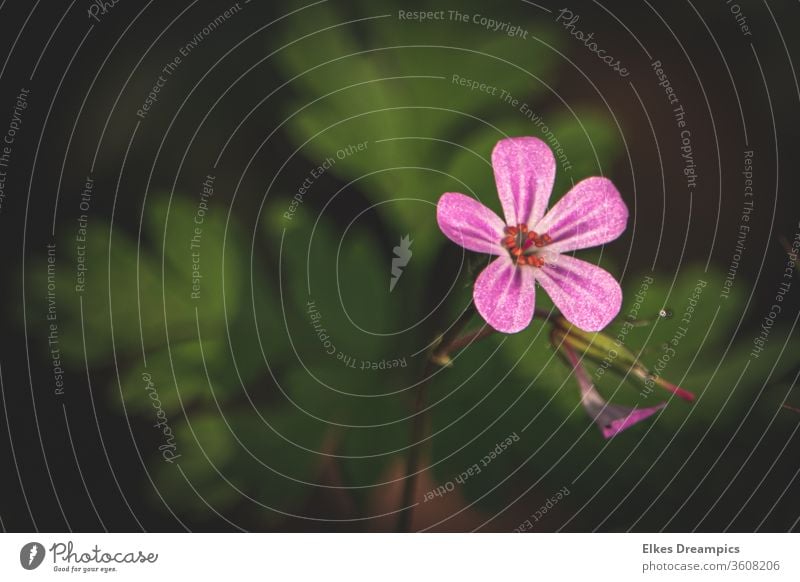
{"x":535,"y":261}
{"x":521,"y":244}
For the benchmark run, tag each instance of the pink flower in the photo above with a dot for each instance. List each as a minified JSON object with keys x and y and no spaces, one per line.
{"x":611,"y":419}
{"x":532,"y":246}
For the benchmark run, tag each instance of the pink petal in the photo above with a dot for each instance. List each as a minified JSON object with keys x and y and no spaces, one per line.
{"x":524,"y":170}
{"x":467,"y":222}
{"x":612,"y":422}
{"x":586,"y":295}
{"x":590,"y":214}
{"x":611,"y":419}
{"x":504,"y":295}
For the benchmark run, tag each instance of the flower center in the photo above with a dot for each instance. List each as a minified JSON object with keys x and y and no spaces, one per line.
{"x":523,"y":245}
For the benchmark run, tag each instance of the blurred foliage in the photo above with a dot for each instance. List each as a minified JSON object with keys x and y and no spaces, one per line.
{"x":393,"y":88}
{"x":259,"y":407}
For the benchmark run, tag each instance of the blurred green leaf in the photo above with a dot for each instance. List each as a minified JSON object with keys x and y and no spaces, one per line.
{"x":405,"y":100}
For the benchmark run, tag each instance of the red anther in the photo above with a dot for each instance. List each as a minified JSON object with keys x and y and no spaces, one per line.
{"x":547,"y":238}
{"x":517,"y":245}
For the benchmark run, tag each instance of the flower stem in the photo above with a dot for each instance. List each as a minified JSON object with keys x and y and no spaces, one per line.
{"x":470,"y":337}
{"x":452,"y":341}
{"x":413,"y":461}
{"x":438,"y":355}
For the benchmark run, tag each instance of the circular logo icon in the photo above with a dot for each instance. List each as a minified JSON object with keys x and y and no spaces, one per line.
{"x":31,"y":555}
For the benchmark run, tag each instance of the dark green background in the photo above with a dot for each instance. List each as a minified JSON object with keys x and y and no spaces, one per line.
{"x":274,"y":434}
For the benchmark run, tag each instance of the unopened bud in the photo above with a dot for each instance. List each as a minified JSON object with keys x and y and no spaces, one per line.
{"x":608,"y":351}
{"x":596,"y":346}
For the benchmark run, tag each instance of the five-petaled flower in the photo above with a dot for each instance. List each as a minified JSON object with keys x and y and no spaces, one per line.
{"x":531,"y":245}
